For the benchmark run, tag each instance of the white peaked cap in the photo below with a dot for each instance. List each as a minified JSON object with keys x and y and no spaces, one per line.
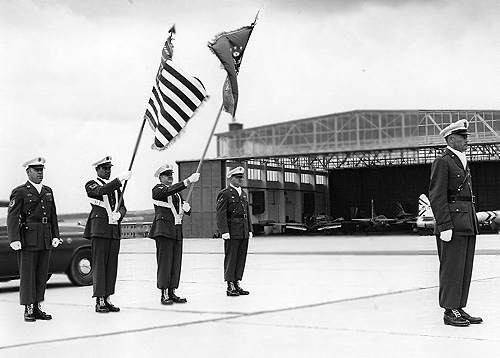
{"x":105,"y":160}
{"x":235,"y":171}
{"x":163,"y":168}
{"x":457,"y":127}
{"x":38,"y":161}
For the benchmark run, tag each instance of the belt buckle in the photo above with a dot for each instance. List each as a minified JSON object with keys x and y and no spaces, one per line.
{"x":44,"y":220}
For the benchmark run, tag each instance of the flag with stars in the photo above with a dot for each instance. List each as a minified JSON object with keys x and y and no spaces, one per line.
{"x":229,"y":48}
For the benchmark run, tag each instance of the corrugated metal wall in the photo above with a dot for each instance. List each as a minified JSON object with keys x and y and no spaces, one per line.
{"x":201,"y":223}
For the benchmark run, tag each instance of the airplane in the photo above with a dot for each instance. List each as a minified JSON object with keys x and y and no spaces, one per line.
{"x":325,"y":223}
{"x":382,"y":220}
{"x":425,"y":219}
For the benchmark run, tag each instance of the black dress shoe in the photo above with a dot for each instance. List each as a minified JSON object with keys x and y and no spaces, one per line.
{"x":39,"y":314}
{"x":454,"y":318}
{"x":100,"y":305}
{"x":166,"y":301}
{"x":111,"y":307}
{"x":231,"y":289}
{"x":29,"y":315}
{"x":468,"y":317}
{"x":174,"y":297}
{"x":241,"y":291}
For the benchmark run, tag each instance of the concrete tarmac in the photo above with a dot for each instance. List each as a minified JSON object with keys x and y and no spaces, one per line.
{"x":310,"y":296}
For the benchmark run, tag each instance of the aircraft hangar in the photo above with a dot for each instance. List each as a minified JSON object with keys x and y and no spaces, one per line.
{"x":349,"y":164}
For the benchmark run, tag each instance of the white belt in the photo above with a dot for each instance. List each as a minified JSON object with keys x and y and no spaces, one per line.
{"x":169,"y":204}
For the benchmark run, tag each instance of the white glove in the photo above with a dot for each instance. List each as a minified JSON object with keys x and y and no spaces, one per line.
{"x":115,"y":216}
{"x":446,"y":235}
{"x":15,"y":245}
{"x":186,"y":206}
{"x":193,"y":178}
{"x":225,"y":236}
{"x":56,"y":242}
{"x":250,"y":235}
{"x":124,"y":176}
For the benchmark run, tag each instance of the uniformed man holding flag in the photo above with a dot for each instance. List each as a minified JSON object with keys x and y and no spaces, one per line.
{"x":166,"y":230}
{"x":103,"y":228}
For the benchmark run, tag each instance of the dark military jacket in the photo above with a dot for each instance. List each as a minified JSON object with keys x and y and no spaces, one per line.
{"x":32,"y":217}
{"x":98,"y":222}
{"x":450,"y":193}
{"x":164,"y":222}
{"x":233,"y":214}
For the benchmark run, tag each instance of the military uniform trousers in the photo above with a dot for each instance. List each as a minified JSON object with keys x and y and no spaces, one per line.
{"x":235,"y":256}
{"x":34,"y":271}
{"x":169,"y":260}
{"x":104,"y":265}
{"x":456,"y":258}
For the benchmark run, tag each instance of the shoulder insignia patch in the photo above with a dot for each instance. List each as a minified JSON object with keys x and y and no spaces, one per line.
{"x":93,"y":186}
{"x":12,"y":203}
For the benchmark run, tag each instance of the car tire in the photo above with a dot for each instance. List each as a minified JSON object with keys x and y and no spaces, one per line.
{"x":80,"y":269}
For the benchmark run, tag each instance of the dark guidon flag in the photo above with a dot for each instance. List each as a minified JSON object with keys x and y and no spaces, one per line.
{"x":229,"y":48}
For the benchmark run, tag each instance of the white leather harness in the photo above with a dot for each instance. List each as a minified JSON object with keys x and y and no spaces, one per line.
{"x":169,"y":204}
{"x":104,"y":204}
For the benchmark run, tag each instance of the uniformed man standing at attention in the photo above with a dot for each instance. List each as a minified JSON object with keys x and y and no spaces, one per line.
{"x":233,"y":221}
{"x":33,"y":231}
{"x":452,"y":202}
{"x":166,"y":230}
{"x":103,"y":228}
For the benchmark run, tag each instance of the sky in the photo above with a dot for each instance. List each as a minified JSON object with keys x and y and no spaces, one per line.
{"x":75,"y":76}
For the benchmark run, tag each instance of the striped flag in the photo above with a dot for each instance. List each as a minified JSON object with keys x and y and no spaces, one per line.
{"x":174,"y":100}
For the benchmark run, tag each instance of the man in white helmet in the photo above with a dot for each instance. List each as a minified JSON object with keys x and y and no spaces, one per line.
{"x":233,"y":221}
{"x":166,"y":230}
{"x":452,"y":201}
{"x":33,"y":232}
{"x":103,"y":228}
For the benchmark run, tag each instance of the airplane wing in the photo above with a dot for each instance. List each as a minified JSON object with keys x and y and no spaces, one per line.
{"x":291,"y":226}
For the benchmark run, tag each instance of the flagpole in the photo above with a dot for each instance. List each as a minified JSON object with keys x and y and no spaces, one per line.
{"x":120,"y":201}
{"x":168,"y":42}
{"x":205,"y":151}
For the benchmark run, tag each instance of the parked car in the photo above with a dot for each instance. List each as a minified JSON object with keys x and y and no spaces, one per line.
{"x":72,"y":257}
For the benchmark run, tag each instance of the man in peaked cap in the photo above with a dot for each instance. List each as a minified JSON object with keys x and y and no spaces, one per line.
{"x":33,"y":231}
{"x":103,"y":228}
{"x":166,"y":230}
{"x":233,"y":221}
{"x":452,"y":201}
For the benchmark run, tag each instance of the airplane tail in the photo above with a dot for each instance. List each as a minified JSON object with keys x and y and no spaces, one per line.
{"x":425,"y":218}
{"x":424,"y":207}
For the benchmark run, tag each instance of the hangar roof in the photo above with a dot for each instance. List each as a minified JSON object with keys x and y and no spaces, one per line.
{"x":357,"y":131}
